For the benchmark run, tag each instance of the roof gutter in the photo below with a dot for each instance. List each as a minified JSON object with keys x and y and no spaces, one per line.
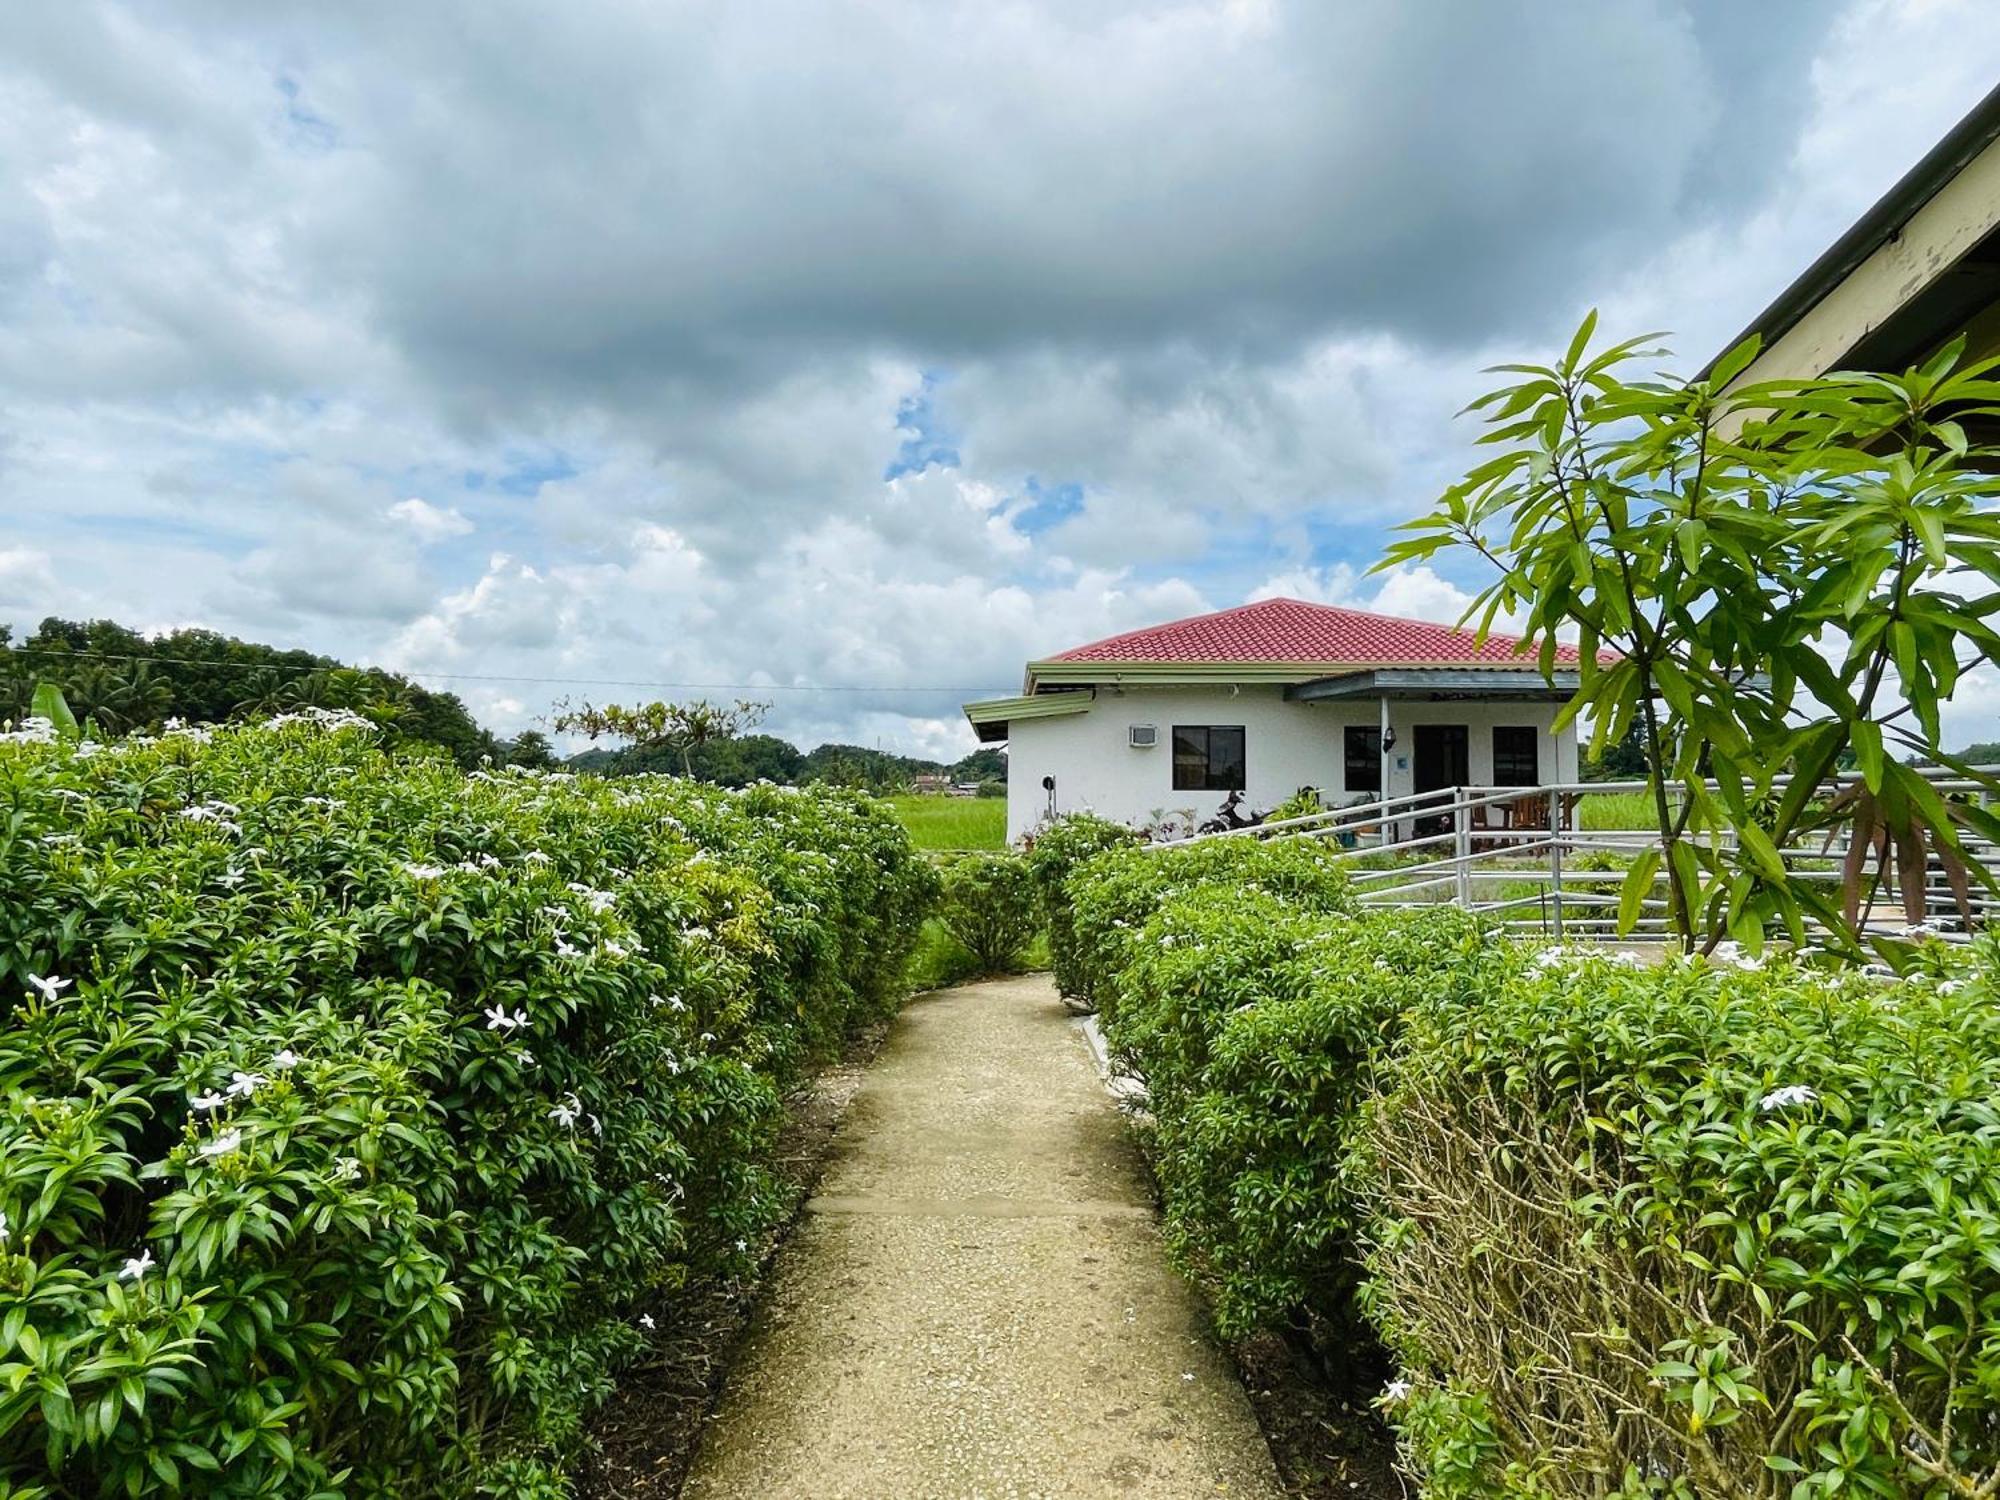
{"x":1882,"y":223}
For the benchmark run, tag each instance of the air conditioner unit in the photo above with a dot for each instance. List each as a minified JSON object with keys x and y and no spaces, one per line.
{"x":1142,"y":736}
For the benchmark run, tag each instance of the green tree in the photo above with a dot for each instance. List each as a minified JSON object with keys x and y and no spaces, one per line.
{"x":681,"y":728}
{"x":1759,"y":581}
{"x":528,"y":748}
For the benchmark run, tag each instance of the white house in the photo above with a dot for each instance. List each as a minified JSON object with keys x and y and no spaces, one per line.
{"x":1268,"y":698}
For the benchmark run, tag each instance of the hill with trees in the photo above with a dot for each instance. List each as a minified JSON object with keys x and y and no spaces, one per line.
{"x":130,"y":683}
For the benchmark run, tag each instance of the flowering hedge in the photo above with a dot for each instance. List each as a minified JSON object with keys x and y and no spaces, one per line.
{"x":1699,"y":1229}
{"x":357,"y":1115}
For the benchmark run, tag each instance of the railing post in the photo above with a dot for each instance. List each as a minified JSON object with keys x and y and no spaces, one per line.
{"x":1462,"y":826}
{"x":1556,"y":860}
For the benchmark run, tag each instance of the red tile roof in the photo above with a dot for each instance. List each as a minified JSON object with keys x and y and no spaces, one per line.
{"x":1291,"y":630}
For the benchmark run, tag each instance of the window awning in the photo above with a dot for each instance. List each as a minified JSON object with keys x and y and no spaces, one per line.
{"x":1434,"y":684}
{"x":989,"y":719}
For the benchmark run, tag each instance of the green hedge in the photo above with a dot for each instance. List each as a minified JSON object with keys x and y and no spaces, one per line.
{"x":1696,"y":1230}
{"x":1111,"y":895}
{"x":1258,"y":1027}
{"x":1713,"y":1227}
{"x":371,"y":1107}
{"x":1053,"y":853}
{"x":987,"y":902}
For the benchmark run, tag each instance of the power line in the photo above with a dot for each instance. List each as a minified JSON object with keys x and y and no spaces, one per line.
{"x":709,"y":687}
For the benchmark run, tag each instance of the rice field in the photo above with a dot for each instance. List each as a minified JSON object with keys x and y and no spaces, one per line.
{"x":953,"y":823}
{"x":1606,"y":811}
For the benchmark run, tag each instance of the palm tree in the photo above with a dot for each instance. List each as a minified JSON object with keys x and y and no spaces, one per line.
{"x":122,"y":699}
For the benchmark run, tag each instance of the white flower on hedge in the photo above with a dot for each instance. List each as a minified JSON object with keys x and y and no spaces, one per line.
{"x":566,"y":949}
{"x":222,"y":1145}
{"x":742,"y":1246}
{"x":1397,"y":1390}
{"x":136,"y":1267}
{"x":497,"y":1019}
{"x":3,"y":1229}
{"x":346,"y":1168}
{"x":425,"y":872}
{"x":646,"y":1322}
{"x":203,"y":1103}
{"x":49,"y":985}
{"x":243,"y":1085}
{"x":1950,"y":986}
{"x":283,"y":1059}
{"x":611,"y":949}
{"x":567,"y":1112}
{"x":535,"y":857}
{"x":1786,"y":1097}
{"x":1732,"y":953}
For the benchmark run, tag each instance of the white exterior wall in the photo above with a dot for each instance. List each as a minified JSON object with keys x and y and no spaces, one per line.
{"x":1286,"y":746}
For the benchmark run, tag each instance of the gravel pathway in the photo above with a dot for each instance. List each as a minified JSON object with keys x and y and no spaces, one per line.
{"x":976,"y":1306}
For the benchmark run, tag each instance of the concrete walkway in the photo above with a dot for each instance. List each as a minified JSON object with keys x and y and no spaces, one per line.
{"x":976,"y":1306}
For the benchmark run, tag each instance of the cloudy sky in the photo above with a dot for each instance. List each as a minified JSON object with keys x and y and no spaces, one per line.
{"x":864,"y":348}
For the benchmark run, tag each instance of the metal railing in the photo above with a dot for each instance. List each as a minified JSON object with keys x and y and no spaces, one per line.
{"x":1530,"y":856}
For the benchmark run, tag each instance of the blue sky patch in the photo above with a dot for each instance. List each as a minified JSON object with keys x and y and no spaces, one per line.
{"x":925,"y":439}
{"x":1049,"y":505}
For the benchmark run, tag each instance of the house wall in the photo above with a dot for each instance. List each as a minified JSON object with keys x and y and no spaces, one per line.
{"x":1286,"y":746}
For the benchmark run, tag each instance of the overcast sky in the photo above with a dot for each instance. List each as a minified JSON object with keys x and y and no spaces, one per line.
{"x":878,"y":345}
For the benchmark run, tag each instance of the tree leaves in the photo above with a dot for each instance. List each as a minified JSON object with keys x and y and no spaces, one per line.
{"x":1720,"y":557}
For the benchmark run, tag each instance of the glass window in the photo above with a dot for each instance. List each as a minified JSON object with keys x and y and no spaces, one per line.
{"x":1208,"y":757}
{"x":1363,"y":759}
{"x":1517,"y":755}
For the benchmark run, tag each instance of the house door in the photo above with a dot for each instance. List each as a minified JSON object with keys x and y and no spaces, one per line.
{"x":1442,"y":760}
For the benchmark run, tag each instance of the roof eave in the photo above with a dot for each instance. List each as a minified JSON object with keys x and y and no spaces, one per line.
{"x":1944,"y":161}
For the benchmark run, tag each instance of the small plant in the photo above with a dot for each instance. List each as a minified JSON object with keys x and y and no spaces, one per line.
{"x":987,"y":902}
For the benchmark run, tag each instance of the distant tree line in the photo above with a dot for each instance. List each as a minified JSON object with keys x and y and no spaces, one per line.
{"x":130,"y":683}
{"x":765,"y":757}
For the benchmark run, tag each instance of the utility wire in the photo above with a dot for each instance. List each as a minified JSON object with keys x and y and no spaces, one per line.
{"x":709,"y":687}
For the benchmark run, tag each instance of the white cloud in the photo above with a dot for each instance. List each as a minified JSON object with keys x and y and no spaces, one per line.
{"x":362,"y":334}
{"x":429,"y":522}
{"x":25,"y":576}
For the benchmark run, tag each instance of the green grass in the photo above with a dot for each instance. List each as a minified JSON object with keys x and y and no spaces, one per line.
{"x":953,"y":822}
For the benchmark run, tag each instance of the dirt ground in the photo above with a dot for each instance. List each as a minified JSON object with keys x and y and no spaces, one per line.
{"x":973,"y":1302}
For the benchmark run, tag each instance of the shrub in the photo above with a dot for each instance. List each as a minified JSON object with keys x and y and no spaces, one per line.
{"x":987,"y":902}
{"x":1114,"y":893}
{"x":1258,"y":1026}
{"x":1695,"y":1231}
{"x":352,"y":1109}
{"x":1057,"y":849}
